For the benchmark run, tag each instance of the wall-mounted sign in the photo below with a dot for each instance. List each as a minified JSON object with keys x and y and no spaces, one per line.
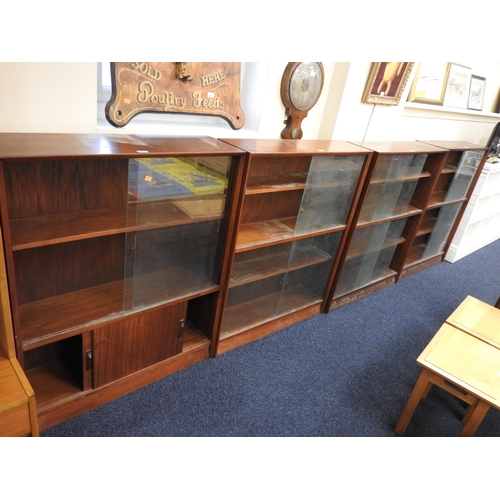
{"x":200,"y":88}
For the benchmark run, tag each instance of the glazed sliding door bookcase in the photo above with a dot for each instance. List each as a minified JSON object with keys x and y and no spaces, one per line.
{"x":296,"y":206}
{"x":115,"y":254}
{"x":447,"y":202}
{"x":398,"y":185}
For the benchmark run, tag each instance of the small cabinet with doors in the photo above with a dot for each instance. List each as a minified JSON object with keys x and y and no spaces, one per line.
{"x":447,"y":201}
{"x":296,"y":206}
{"x":395,"y":194}
{"x":115,"y":251}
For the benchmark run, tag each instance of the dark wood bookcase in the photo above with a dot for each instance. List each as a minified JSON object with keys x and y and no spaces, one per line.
{"x":115,"y":250}
{"x":295,"y":210}
{"x":127,"y":258}
{"x":396,"y":192}
{"x":414,"y":196}
{"x":446,"y":204}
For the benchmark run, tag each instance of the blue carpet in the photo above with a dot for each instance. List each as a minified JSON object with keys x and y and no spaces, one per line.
{"x":346,"y":373}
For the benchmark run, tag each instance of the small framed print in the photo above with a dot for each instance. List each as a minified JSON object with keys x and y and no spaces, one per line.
{"x":457,"y":87}
{"x":476,"y":92}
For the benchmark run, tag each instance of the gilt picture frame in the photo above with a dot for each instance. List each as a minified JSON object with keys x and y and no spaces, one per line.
{"x":429,"y":83}
{"x":386,"y":82}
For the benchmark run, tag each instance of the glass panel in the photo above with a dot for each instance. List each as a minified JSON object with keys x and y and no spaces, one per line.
{"x":175,"y":208}
{"x":369,"y":256}
{"x":392,"y":186}
{"x":441,"y":230}
{"x":462,"y":179}
{"x":169,"y":263}
{"x":330,"y":187}
{"x":251,"y":304}
{"x":309,"y":269}
{"x":260,"y":263}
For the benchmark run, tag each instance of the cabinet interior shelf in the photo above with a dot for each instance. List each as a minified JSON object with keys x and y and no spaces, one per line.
{"x":358,"y":249}
{"x":259,"y":234}
{"x":255,"y":312}
{"x":32,"y":232}
{"x":437,"y":200}
{"x":426,"y":226}
{"x":449,"y":169}
{"x":58,"y":317}
{"x":54,"y":383}
{"x":275,"y":264}
{"x":415,"y":254}
{"x":398,"y":212}
{"x":389,"y":273}
{"x":281,"y":182}
{"x":408,"y":178}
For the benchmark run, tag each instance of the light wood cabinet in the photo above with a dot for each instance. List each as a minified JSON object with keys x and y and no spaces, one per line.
{"x":18,"y":413}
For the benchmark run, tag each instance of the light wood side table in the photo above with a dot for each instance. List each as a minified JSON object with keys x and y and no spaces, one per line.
{"x":463,"y":365}
{"x":479,"y":319}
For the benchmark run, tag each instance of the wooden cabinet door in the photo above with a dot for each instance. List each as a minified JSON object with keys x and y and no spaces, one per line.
{"x":137,"y":342}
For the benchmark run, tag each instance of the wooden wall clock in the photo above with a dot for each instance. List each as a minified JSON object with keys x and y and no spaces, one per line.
{"x":301,"y":87}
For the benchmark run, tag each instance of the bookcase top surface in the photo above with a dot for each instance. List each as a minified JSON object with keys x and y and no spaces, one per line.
{"x":297,"y":147}
{"x":401,"y":147}
{"x":53,"y":145}
{"x":459,"y":145}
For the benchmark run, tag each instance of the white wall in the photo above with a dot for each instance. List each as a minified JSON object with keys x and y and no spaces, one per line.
{"x":360,"y":121}
{"x":62,"y":97}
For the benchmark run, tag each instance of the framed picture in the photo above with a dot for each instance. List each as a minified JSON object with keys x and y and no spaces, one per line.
{"x":476,"y":92}
{"x":429,"y":83}
{"x":457,"y":87}
{"x":386,"y":82}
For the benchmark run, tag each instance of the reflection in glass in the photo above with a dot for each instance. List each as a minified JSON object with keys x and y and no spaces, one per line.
{"x":330,"y":187}
{"x":305,"y":85}
{"x":175,"y":210}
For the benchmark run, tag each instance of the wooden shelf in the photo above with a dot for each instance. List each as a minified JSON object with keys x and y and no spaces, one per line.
{"x":275,"y":264}
{"x":408,"y":178}
{"x":389,"y":273}
{"x":62,"y":316}
{"x":415,"y":254}
{"x":437,"y":200}
{"x":358,"y":249}
{"x":426,"y":226}
{"x":46,"y":230}
{"x":262,"y":309}
{"x":259,"y":234}
{"x":54,"y":384}
{"x":277,"y":182}
{"x":399,"y":212}
{"x":449,"y":169}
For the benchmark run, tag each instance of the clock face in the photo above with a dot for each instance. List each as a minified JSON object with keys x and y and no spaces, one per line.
{"x":306,"y":84}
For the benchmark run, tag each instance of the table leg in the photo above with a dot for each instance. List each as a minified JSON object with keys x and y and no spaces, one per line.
{"x":421,"y":388}
{"x":475,"y":418}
